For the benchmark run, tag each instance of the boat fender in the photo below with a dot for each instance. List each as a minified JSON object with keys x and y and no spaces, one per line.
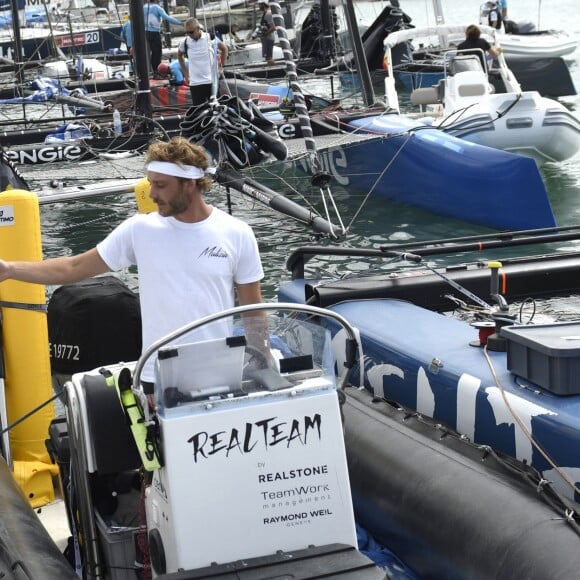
{"x":145,"y":435}
{"x":26,"y":354}
{"x":144,"y":203}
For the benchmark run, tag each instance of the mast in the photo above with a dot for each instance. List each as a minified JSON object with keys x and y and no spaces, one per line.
{"x":440,"y":20}
{"x":143,"y":98}
{"x":359,"y":55}
{"x":328,"y":48}
{"x":15,"y":5}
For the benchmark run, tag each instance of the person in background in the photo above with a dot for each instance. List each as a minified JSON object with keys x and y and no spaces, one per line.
{"x":172,"y":71}
{"x":267,"y":32}
{"x":475,"y":44}
{"x":56,"y":13}
{"x":192,"y":258}
{"x":502,"y":5}
{"x":154,"y":16}
{"x":198,"y":49}
{"x":127,"y":38}
{"x":494,"y":18}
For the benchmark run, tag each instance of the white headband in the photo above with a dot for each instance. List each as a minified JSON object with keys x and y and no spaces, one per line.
{"x":167,"y":168}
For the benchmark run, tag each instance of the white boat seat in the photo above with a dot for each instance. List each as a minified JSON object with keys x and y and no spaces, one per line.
{"x":425,"y":96}
{"x":472,"y":90}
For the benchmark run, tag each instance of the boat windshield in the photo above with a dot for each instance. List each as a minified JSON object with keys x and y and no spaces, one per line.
{"x":257,"y":355}
{"x":467,"y":62}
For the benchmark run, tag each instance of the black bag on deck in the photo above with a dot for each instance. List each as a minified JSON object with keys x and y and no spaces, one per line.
{"x":93,"y":323}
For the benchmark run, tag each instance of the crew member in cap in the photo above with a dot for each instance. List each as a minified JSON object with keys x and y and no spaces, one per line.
{"x":267,"y":33}
{"x":191,"y":257}
{"x":172,"y":71}
{"x":494,"y":18}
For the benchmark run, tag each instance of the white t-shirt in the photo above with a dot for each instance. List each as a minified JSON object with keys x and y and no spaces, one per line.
{"x":201,"y":56}
{"x":186,"y":271}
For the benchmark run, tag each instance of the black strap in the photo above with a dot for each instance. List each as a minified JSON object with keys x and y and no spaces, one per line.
{"x":23,"y":306}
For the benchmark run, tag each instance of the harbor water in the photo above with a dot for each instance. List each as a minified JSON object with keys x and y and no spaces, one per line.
{"x":72,"y":227}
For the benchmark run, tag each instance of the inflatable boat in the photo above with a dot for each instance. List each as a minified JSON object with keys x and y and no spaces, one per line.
{"x":496,"y":374}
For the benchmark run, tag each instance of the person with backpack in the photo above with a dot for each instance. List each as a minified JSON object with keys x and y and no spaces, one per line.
{"x":202,"y":52}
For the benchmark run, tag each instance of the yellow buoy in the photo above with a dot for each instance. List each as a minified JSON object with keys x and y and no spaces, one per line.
{"x":144,"y":203}
{"x":26,"y":348}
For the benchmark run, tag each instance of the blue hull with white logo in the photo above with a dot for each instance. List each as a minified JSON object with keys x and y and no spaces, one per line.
{"x":455,"y":449}
{"x":426,"y":361}
{"x":441,"y":376}
{"x":445,"y":175}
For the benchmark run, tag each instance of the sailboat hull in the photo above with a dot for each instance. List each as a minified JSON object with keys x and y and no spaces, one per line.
{"x":89,"y":40}
{"x":439,"y":173}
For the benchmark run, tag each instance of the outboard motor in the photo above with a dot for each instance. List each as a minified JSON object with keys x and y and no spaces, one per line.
{"x":92,"y":323}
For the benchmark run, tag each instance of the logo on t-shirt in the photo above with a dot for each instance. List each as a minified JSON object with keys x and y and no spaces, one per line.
{"x":214,"y":252}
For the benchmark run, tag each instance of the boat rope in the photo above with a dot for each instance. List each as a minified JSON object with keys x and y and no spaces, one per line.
{"x":417,"y":259}
{"x":30,"y":413}
{"x":378,"y":179}
{"x":454,"y":284}
{"x":449,"y":122}
{"x":78,"y":561}
{"x":524,"y":429}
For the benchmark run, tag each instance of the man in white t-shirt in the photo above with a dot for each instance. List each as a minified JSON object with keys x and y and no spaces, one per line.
{"x":191,"y":257}
{"x":201,"y":50}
